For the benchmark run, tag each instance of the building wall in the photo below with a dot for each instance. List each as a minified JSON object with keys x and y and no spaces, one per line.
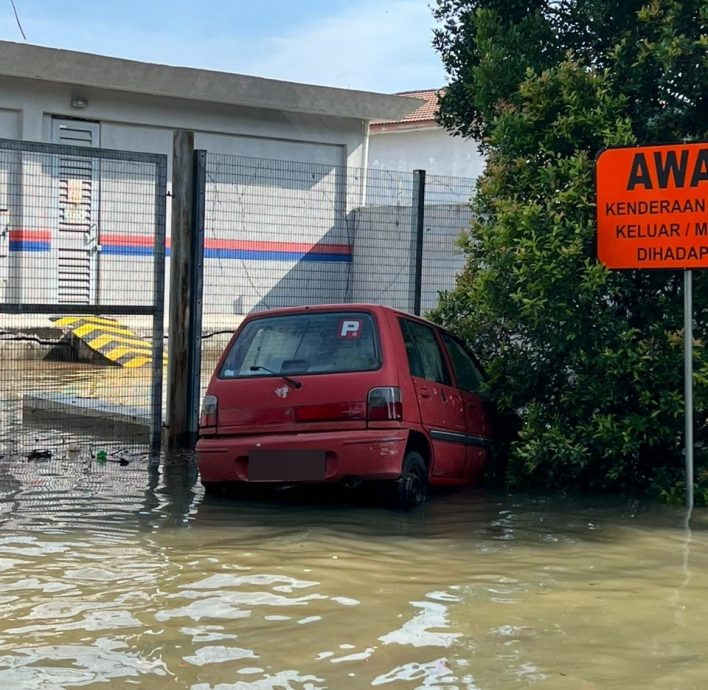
{"x":383,"y":269}
{"x":134,"y":122}
{"x":275,"y":233}
{"x":429,"y":149}
{"x":285,"y":222}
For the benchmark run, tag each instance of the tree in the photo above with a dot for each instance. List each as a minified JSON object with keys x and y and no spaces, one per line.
{"x":590,"y":359}
{"x":654,"y":49}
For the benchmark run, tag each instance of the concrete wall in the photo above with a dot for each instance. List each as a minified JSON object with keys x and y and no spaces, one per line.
{"x":429,"y":149}
{"x":382,"y":269}
{"x":290,"y":216}
{"x":442,"y":257}
{"x":276,"y":234}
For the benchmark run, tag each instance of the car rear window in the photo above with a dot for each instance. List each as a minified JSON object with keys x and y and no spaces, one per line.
{"x":306,"y":343}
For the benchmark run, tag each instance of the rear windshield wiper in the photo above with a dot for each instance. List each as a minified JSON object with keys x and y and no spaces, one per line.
{"x":287,"y":379}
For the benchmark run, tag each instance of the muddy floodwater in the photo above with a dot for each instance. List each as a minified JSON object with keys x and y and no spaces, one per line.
{"x":125,"y":575}
{"x":117,"y":577}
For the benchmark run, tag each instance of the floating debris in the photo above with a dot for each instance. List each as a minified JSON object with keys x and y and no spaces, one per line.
{"x":124,"y":456}
{"x":38,"y":454}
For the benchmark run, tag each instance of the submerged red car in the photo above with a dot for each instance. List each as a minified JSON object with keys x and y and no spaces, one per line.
{"x":344,"y":393}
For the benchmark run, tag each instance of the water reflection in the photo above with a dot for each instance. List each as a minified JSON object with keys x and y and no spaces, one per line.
{"x":130,"y":576}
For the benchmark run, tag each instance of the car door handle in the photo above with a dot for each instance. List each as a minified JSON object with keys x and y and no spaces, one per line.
{"x":424,"y":393}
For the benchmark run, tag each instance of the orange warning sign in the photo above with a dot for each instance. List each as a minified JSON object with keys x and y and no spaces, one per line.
{"x":651,"y":206}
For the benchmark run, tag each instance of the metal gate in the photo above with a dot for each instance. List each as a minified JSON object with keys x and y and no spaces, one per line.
{"x":81,"y":352}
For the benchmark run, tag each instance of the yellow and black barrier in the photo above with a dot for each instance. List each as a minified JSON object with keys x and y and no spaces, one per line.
{"x":111,"y":339}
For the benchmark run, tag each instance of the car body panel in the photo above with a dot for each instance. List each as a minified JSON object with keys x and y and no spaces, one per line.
{"x":374,"y":454}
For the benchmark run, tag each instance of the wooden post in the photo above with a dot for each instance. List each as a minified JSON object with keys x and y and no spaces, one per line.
{"x":178,"y":384}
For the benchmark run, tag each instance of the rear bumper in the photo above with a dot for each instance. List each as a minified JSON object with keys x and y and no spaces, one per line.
{"x":368,"y":454}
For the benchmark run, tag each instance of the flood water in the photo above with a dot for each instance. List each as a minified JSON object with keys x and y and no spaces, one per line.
{"x":117,"y":577}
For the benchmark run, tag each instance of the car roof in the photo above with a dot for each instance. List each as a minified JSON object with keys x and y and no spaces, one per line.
{"x":323,"y":308}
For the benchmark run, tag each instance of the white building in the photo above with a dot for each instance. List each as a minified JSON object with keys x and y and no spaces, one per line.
{"x":73,"y":234}
{"x":416,"y":141}
{"x":136,"y":106}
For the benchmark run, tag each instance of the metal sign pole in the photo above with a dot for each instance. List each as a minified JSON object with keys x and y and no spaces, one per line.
{"x":633,"y":185}
{"x":688,"y":382}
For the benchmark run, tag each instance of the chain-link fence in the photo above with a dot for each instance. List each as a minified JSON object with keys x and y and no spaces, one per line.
{"x":281,"y":233}
{"x":447,"y":214}
{"x":82,"y":238}
{"x":82,"y":253}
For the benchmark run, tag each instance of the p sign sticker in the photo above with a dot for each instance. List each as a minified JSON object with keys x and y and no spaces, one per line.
{"x":350,"y":328}
{"x":652,"y":206}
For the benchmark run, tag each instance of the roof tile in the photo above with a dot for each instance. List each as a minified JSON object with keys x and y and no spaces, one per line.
{"x":424,"y":113}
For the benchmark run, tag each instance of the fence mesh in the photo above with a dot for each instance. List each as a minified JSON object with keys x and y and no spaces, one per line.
{"x":447,"y":214}
{"x":282,"y":233}
{"x":81,"y":253}
{"x":82,"y":270}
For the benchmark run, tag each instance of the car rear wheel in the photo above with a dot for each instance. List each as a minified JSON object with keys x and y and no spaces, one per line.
{"x":411,"y":488}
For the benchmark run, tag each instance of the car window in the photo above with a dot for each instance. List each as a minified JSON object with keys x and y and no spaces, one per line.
{"x":425,"y":357}
{"x":307,"y":343}
{"x":469,"y":377}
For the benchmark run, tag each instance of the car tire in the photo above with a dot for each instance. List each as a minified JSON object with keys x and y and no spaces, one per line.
{"x":411,"y":488}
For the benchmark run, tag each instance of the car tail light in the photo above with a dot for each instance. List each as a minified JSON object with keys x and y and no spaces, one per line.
{"x":210,"y":409}
{"x":384,"y":405}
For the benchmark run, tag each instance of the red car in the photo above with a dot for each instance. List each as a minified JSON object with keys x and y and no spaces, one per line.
{"x":344,"y":393}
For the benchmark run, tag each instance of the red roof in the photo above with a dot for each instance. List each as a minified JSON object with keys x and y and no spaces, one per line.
{"x":424,"y":114}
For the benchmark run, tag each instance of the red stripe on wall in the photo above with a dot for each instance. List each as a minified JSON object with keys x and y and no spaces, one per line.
{"x":127,"y":240}
{"x":245,"y":245}
{"x":294,"y":247}
{"x":26,"y":235}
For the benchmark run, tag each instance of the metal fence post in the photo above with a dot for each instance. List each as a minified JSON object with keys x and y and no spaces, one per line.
{"x":196,"y":294}
{"x":158,"y":321}
{"x":415,"y":277}
{"x":688,"y":382}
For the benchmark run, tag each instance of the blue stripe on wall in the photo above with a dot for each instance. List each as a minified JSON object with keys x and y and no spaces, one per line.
{"x":250,"y":255}
{"x":211,"y":253}
{"x":25,"y":246}
{"x":274,"y":256}
{"x":126,"y":250}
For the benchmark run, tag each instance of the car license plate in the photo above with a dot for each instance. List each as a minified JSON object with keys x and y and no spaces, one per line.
{"x":286,"y":465}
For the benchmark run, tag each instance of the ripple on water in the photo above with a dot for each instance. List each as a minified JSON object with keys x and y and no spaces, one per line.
{"x":152,"y":585}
